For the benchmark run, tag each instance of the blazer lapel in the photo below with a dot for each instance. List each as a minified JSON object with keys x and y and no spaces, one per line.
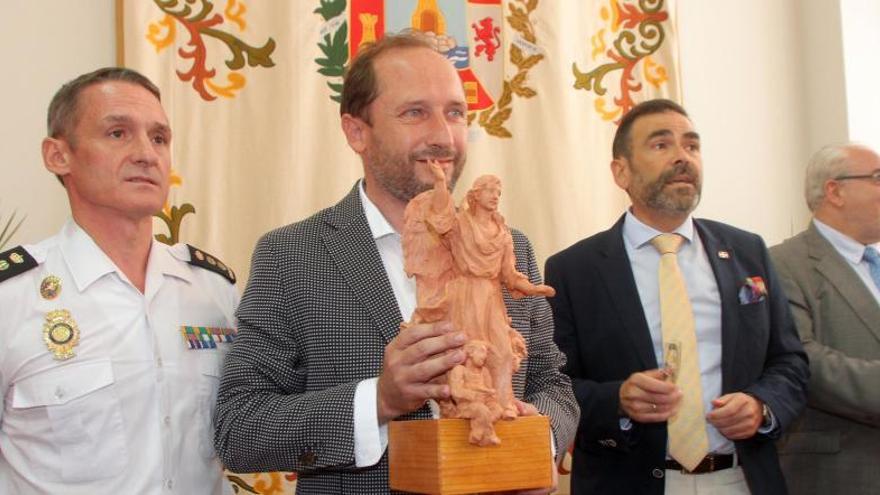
{"x":350,"y":243}
{"x":724,"y":268}
{"x":616,"y":272}
{"x":840,"y":274}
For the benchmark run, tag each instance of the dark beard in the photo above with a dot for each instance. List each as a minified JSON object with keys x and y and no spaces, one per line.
{"x":396,"y":174}
{"x":657,"y":198}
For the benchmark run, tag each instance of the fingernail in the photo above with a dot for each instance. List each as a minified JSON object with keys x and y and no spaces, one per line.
{"x":459,"y":338}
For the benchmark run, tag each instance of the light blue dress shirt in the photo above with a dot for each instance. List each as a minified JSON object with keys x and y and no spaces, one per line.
{"x":705,"y":300}
{"x":853,"y":252}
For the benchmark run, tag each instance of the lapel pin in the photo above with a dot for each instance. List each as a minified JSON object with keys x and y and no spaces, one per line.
{"x":50,"y":287}
{"x":723,"y":255}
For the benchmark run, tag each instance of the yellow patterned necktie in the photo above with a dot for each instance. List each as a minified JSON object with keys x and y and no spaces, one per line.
{"x":688,"y":440}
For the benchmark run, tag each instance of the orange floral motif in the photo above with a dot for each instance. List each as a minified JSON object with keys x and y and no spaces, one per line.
{"x":199,"y":23}
{"x":640,"y":33}
{"x":155,"y":36}
{"x":277,"y":482}
{"x":235,"y":12}
{"x":654,"y":73}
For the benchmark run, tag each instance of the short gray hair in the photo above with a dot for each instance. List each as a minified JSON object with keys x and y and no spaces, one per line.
{"x":826,"y":164}
{"x":64,"y":109}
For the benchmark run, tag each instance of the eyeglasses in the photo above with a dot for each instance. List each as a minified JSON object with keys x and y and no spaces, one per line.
{"x":873,"y":177}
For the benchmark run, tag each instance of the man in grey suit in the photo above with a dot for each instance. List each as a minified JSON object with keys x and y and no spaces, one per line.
{"x":318,"y":369}
{"x":831,"y":275}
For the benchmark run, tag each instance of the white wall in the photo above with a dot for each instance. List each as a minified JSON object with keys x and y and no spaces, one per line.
{"x":42,"y":44}
{"x":861,"y":37}
{"x":741,"y":75}
{"x":823,"y":75}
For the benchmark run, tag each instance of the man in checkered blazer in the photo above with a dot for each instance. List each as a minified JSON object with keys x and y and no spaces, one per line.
{"x":318,"y":369}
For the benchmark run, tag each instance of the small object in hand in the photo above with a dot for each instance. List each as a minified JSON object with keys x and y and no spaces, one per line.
{"x":672,"y":358}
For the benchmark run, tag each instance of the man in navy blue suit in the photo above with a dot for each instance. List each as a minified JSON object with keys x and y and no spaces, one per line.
{"x":749,"y":370}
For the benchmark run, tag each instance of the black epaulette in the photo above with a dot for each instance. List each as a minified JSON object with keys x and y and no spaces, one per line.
{"x":15,"y":262}
{"x":204,"y":260}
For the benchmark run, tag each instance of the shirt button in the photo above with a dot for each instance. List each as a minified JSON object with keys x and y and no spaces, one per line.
{"x":158,"y":362}
{"x":59,"y":393}
{"x":169,"y":484}
{"x":657,"y":473}
{"x":167,"y":420}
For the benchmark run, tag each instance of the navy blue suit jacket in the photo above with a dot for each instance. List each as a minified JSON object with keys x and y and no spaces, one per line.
{"x":601,"y":327}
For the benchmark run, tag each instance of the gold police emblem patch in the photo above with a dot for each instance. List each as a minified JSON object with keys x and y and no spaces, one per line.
{"x":50,"y":287}
{"x":61,"y":334}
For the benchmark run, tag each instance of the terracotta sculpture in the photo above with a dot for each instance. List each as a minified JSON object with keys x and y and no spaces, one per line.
{"x":461,"y":260}
{"x":426,"y":256}
{"x":471,"y":387}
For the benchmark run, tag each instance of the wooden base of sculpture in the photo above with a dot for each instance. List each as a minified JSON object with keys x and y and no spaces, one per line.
{"x":435,"y":457}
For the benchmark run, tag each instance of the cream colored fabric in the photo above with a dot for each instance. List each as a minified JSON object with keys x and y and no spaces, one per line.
{"x":688,"y":440}
{"x":268,"y":150}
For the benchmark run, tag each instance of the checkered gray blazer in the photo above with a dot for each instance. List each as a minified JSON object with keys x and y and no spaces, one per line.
{"x":314,"y":320}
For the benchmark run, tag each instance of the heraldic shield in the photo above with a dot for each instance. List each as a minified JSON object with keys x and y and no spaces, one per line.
{"x":468,"y":33}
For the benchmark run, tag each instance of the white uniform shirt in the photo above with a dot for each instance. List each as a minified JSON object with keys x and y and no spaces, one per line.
{"x":131,"y":411}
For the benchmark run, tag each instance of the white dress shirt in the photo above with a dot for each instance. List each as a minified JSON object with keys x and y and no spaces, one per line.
{"x":131,"y":411}
{"x":853,"y":252}
{"x":705,"y":300}
{"x":370,"y":438}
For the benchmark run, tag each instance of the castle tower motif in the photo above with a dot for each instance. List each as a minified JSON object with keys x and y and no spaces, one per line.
{"x":427,"y":17}
{"x":368,"y":23}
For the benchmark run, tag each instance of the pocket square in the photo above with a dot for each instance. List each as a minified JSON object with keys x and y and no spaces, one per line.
{"x":752,"y":291}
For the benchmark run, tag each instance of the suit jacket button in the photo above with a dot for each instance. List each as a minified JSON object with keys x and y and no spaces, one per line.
{"x":611,"y":443}
{"x":307,"y":458}
{"x":657,"y":473}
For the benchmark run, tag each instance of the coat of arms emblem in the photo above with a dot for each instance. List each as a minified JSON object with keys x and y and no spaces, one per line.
{"x":491,"y":51}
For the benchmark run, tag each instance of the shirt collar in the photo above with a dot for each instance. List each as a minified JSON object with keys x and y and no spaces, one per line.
{"x":637,"y":234}
{"x":851,"y":249}
{"x":87,"y":262}
{"x":169,"y":260}
{"x":379,"y":226}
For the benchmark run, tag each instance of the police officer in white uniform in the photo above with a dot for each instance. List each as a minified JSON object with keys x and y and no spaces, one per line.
{"x":111,"y":343}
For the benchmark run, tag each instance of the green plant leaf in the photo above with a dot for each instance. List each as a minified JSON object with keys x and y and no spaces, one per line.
{"x":331,"y":71}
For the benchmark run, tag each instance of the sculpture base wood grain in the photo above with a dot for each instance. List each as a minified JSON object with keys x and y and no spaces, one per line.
{"x":434,"y":456}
